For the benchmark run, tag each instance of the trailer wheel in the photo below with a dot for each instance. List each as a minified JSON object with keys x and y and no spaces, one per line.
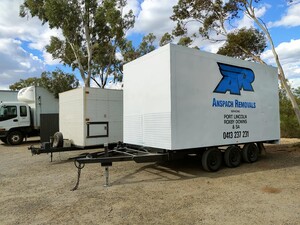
{"x":212,"y":159}
{"x":250,"y":153}
{"x":15,"y":137}
{"x":232,"y":156}
{"x":58,"y":140}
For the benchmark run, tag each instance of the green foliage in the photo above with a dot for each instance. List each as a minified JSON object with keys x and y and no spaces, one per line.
{"x":210,"y":14}
{"x":93,"y":32}
{"x":166,"y":39}
{"x":147,"y":45}
{"x":244,"y":44}
{"x":56,"y":82}
{"x":32,"y":81}
{"x":185,"y":41}
{"x":213,"y":18}
{"x":288,"y":121}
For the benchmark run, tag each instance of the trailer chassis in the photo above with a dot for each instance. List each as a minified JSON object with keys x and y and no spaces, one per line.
{"x":118,"y":154}
{"x":46,"y":148}
{"x":211,"y":156}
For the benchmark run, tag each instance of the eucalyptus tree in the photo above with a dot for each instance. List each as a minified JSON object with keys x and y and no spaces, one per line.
{"x":215,"y":19}
{"x":93,"y":32}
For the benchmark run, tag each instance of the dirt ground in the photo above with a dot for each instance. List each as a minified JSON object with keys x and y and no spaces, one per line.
{"x":34,"y":190}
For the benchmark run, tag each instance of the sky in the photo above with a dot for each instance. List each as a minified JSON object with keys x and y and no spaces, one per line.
{"x":23,"y":40}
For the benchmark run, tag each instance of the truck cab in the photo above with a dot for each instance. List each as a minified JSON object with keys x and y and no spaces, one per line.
{"x":15,"y":122}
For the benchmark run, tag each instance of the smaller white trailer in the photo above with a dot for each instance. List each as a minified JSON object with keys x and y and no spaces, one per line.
{"x":91,"y":116}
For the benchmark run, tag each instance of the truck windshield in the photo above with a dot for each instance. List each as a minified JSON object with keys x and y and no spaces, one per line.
{"x":8,"y":112}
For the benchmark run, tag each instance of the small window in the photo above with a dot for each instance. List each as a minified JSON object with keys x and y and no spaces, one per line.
{"x":11,"y":111}
{"x":23,"y":111}
{"x":8,"y":112}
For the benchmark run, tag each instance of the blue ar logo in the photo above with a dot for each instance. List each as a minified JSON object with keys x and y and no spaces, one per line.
{"x":234,"y":79}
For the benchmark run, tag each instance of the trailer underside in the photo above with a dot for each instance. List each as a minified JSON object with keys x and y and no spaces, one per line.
{"x":211,"y":158}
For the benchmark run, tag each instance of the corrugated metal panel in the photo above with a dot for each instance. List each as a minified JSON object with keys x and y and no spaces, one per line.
{"x":157,"y":130}
{"x":133,"y":125}
{"x":153,"y":129}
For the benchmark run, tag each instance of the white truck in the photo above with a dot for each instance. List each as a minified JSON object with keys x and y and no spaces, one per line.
{"x":180,"y":101}
{"x":23,"y":118}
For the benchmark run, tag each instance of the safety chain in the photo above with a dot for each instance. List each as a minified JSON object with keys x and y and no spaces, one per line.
{"x":79,"y":166}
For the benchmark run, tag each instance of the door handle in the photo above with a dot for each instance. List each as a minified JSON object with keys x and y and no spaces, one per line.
{"x":15,"y":120}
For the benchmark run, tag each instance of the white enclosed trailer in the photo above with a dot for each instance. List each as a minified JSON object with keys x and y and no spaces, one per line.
{"x":91,"y":116}
{"x":179,"y":98}
{"x":180,"y":101}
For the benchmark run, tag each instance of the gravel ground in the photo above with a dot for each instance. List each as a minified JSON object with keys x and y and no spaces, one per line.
{"x":34,"y":190}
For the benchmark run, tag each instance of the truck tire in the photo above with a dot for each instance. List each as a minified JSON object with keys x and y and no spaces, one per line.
{"x":232,"y":156}
{"x":4,"y":140}
{"x":250,"y":153}
{"x":58,"y":140}
{"x":212,"y":159}
{"x":15,"y":137}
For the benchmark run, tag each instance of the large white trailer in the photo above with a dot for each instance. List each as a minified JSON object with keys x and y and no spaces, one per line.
{"x":179,"y":98}
{"x":180,"y":101}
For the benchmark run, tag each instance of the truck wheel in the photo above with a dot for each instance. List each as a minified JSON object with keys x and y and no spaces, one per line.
{"x":250,"y":153}
{"x":58,"y":140}
{"x":212,"y":159}
{"x":3,"y":140}
{"x":15,"y":137}
{"x":232,"y":156}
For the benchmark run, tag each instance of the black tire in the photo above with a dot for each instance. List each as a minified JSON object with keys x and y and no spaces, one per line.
{"x":250,"y":153}
{"x":15,"y":137}
{"x":212,"y":159}
{"x":58,"y":140}
{"x":232,"y":156}
{"x":4,"y":140}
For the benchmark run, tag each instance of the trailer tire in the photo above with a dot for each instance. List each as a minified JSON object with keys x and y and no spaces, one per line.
{"x":250,"y":152}
{"x":15,"y":137}
{"x":212,"y":159}
{"x":232,"y":156}
{"x":58,"y":140}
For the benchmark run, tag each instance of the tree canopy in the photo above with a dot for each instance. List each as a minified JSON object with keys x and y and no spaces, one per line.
{"x":247,"y":44}
{"x":93,"y":32}
{"x":56,"y":82}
